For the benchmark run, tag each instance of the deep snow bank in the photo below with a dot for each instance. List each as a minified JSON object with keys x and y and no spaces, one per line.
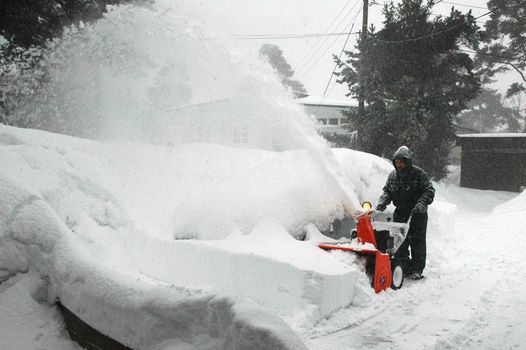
{"x":295,"y":279}
{"x":515,"y":205}
{"x":66,"y":209}
{"x":26,"y":323}
{"x":102,"y":224}
{"x":137,"y":311}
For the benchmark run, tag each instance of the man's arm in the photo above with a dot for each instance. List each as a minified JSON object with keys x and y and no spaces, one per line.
{"x":385,"y":198}
{"x":427,"y":191}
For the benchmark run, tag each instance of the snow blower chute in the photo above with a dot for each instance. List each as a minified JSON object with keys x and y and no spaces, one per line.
{"x":379,"y":244}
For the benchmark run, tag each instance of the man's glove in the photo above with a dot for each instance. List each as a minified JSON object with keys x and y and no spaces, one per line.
{"x":419,"y":208}
{"x":381,"y":207}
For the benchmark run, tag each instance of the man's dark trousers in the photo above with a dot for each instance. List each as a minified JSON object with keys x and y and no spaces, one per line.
{"x":416,"y":239}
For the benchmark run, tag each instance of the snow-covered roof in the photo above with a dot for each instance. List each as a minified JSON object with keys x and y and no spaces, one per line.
{"x":318,"y":100}
{"x":493,"y":135}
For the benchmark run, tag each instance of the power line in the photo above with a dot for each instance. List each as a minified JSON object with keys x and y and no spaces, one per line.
{"x":434,"y":13}
{"x":465,"y":5}
{"x":302,"y":35}
{"x":432,"y":34}
{"x":326,"y":34}
{"x":489,"y":54}
{"x":289,"y":36}
{"x":311,"y":64}
{"x":452,"y":3}
{"x":336,"y":65}
{"x":307,"y":59}
{"x":374,"y":3}
{"x":315,"y":47}
{"x":339,"y":57}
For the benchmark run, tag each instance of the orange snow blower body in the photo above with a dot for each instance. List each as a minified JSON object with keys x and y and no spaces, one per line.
{"x":367,"y":245}
{"x":380,"y":245}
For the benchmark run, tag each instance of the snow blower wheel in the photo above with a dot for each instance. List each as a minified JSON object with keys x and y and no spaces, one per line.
{"x":398,"y":275}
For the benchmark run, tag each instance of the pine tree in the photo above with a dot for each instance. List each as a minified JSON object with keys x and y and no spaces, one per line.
{"x":274,"y":55}
{"x":414,"y":81}
{"x":488,"y":114}
{"x":505,"y":37}
{"x":31,"y":23}
{"x":26,"y":27}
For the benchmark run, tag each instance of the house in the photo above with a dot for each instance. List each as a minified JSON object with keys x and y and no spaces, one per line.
{"x":493,"y":161}
{"x":329,"y":113}
{"x":230,"y":122}
{"x":255,"y":121}
{"x":251,"y":121}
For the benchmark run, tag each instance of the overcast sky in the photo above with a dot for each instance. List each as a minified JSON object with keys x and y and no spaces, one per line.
{"x":310,"y":57}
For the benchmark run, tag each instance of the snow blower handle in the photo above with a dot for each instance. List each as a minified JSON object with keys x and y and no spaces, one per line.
{"x":408,"y":223}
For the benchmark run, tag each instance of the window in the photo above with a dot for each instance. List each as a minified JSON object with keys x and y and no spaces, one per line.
{"x":333,"y":121}
{"x":240,"y":134}
{"x":204,"y":134}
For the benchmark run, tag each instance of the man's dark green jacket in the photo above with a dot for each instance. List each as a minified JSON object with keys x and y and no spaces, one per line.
{"x":408,"y":187}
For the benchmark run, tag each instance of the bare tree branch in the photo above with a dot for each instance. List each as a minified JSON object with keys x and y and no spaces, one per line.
{"x":521,"y":73}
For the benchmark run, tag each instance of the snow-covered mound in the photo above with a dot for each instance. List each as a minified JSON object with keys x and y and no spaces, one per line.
{"x":196,"y":231}
{"x":100,"y":224}
{"x":26,"y":322}
{"x":516,"y":205}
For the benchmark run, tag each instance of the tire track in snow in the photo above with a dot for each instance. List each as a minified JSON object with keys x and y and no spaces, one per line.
{"x":449,"y":309}
{"x":510,"y":278}
{"x":475,"y":324}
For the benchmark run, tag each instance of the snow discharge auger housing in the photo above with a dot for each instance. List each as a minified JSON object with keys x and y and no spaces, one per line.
{"x":379,"y":244}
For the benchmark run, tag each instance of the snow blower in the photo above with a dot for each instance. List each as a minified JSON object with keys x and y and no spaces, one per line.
{"x":379,"y":245}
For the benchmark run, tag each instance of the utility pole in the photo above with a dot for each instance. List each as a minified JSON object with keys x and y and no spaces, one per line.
{"x":365,"y":13}
{"x":365,"y":24}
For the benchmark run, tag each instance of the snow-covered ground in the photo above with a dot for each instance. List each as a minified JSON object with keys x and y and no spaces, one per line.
{"x":184,"y":245}
{"x":472,"y":295}
{"x":175,"y":247}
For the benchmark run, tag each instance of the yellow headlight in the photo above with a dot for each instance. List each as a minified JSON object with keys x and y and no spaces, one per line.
{"x":367,"y":205}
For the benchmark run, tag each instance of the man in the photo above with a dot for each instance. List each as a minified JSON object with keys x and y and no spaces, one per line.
{"x":410,"y":190}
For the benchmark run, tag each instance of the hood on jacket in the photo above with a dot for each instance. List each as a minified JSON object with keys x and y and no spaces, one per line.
{"x":403,"y":153}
